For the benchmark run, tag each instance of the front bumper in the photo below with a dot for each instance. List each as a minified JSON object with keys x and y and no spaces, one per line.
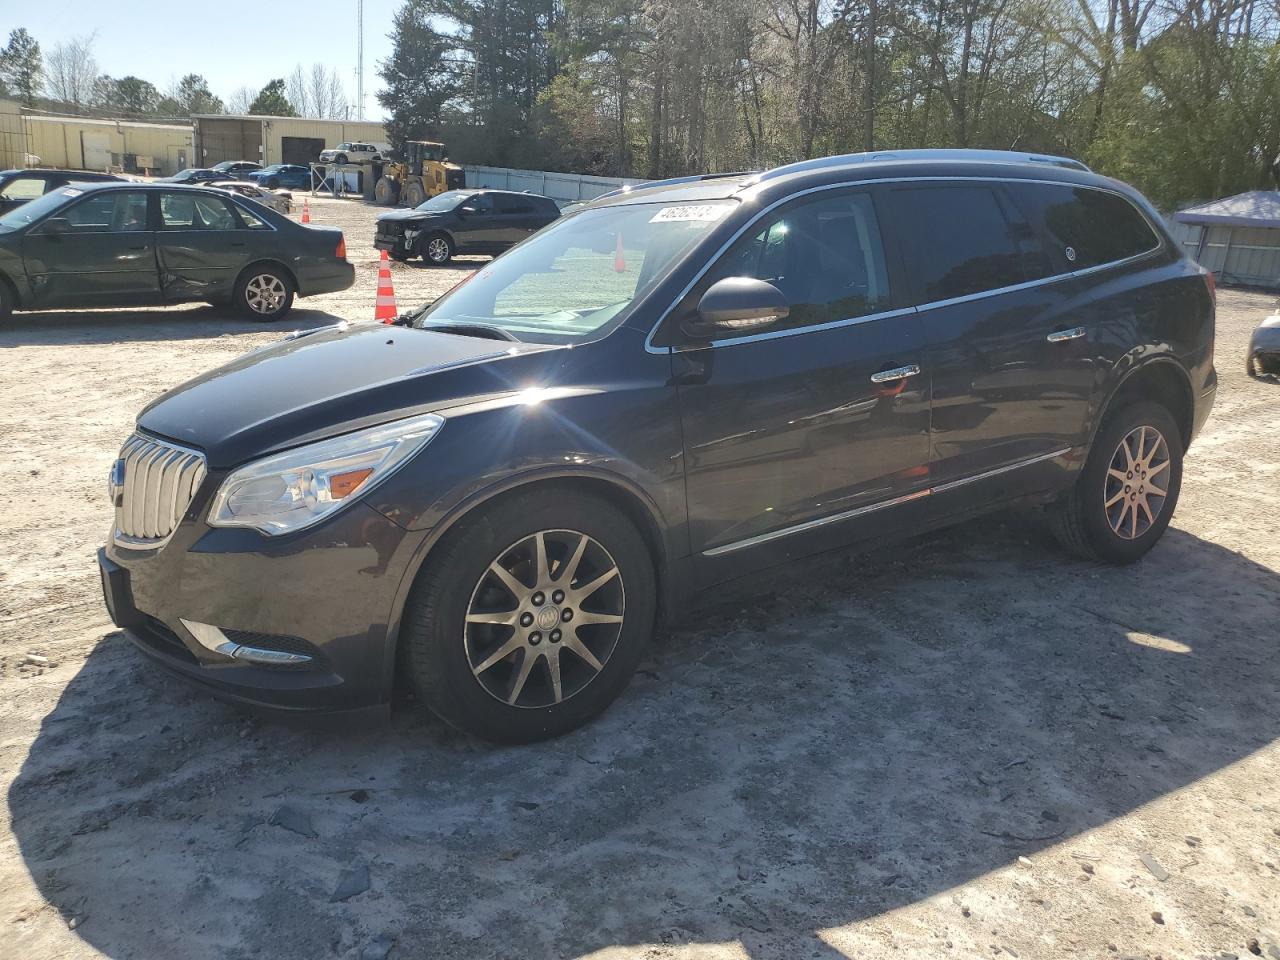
{"x":394,"y":243}
{"x":329,"y":593}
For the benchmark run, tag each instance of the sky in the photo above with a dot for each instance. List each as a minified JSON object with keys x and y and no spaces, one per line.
{"x":232,"y":46}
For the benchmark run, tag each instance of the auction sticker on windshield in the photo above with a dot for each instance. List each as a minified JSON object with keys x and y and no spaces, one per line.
{"x":694,"y":212}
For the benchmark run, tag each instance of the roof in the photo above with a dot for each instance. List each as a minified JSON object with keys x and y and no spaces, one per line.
{"x":1256,"y":208}
{"x":98,"y":122}
{"x":265,"y":116}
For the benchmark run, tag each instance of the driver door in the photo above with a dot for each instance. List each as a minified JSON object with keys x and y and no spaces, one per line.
{"x":97,"y":252}
{"x":802,"y":436}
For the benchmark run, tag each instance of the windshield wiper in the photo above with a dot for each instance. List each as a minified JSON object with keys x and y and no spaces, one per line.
{"x":471,"y":328}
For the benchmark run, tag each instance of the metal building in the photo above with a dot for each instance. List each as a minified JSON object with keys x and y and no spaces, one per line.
{"x":269,"y":140}
{"x":82,"y":143}
{"x":13,"y":138}
{"x":1238,"y":238}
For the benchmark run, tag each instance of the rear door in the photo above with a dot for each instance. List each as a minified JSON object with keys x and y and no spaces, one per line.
{"x":519,"y":214}
{"x":479,"y":228}
{"x":802,"y":438}
{"x":202,"y":245}
{"x":1011,"y":375}
{"x":100,"y":252}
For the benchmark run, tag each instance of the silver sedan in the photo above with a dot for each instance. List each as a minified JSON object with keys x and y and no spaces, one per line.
{"x":279,"y":200}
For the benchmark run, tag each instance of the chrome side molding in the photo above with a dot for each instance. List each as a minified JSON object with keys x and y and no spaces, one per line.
{"x":879,"y":505}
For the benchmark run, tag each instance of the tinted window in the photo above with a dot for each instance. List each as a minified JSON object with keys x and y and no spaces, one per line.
{"x":824,"y":254}
{"x":1097,"y":226}
{"x":23,"y":188}
{"x":102,"y":212}
{"x":481,"y":203}
{"x":194,"y":211}
{"x":513,"y":204}
{"x":959,"y":240}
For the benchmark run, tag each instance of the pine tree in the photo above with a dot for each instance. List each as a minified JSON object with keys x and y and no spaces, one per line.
{"x":21,"y":66}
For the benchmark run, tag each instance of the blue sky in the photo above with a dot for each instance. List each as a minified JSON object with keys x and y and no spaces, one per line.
{"x":232,"y":45}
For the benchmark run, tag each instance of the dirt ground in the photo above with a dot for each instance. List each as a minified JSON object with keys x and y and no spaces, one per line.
{"x":970,"y":747}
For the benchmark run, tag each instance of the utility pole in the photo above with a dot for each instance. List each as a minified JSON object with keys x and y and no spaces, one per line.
{"x":359,"y":59}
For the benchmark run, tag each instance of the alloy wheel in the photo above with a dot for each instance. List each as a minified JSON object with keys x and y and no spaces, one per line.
{"x":265,"y":293}
{"x":438,"y":250}
{"x":544,"y":618}
{"x":1137,"y":482}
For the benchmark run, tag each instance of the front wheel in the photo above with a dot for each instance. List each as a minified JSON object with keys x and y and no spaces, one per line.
{"x":264,"y":293}
{"x":531,"y":617}
{"x":437,"y":250}
{"x":1124,"y":498}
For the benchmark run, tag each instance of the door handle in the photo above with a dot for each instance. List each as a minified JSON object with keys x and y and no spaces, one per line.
{"x":897,"y":373}
{"x":1058,"y":336}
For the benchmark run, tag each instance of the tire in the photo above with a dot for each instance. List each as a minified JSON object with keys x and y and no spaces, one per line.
{"x":441,"y":646}
{"x":1122,"y":533}
{"x":386,"y":192}
{"x":436,"y":249}
{"x":264,"y":293}
{"x":340,"y":158}
{"x":412,"y":194}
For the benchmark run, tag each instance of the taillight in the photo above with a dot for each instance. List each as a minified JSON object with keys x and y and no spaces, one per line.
{"x":1211,"y":282}
{"x":341,"y":252}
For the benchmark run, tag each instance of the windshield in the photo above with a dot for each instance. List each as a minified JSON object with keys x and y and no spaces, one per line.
{"x":576,"y":277}
{"x":274,"y":168}
{"x":444,"y":202}
{"x":185,"y":173}
{"x":35,"y":209}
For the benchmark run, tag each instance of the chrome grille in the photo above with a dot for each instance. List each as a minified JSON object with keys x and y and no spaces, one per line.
{"x":160,"y":479}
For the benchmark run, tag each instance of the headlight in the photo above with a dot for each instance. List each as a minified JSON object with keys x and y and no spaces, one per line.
{"x":292,"y":490}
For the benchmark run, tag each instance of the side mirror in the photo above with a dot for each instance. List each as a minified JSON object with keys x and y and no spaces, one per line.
{"x":735,"y":304}
{"x":56,"y":226}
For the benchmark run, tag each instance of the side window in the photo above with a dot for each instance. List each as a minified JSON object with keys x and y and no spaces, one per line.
{"x":114,"y":212}
{"x":1096,"y":226}
{"x":511,"y":204}
{"x":250,"y":220}
{"x":960,"y":240}
{"x":23,"y":188}
{"x":194,"y":211}
{"x":825,"y":255}
{"x":481,"y":203}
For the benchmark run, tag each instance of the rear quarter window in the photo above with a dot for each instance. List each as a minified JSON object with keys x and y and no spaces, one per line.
{"x":1089,"y":227}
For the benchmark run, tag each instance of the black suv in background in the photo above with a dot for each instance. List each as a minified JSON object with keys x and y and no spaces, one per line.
{"x":669,"y":390}
{"x":21,"y":186}
{"x":463,"y":221}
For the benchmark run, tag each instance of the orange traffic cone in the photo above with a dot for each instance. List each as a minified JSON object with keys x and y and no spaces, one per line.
{"x":306,"y":212}
{"x":385,"y":305}
{"x":619,"y":261}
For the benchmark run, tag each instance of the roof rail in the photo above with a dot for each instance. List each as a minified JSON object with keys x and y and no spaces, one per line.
{"x":671,"y":182}
{"x":987,"y":156}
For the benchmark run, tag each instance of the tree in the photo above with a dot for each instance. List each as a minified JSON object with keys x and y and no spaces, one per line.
{"x":71,"y":70}
{"x":241,"y":100}
{"x":135,"y":95}
{"x":271,"y":101}
{"x":21,"y":66}
{"x":191,"y":95}
{"x":317,"y":92}
{"x":421,"y":75}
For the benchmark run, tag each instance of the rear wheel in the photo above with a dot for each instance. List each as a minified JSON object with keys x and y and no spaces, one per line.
{"x":436,"y":249}
{"x":264,"y":293}
{"x":1124,"y":498}
{"x":530,"y":619}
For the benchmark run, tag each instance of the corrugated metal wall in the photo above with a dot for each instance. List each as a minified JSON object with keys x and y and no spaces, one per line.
{"x":558,"y":186}
{"x":1245,"y":255}
{"x":13,"y":138}
{"x":79,"y":143}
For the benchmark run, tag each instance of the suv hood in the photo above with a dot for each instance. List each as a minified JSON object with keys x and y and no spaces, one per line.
{"x":411,"y":213}
{"x":332,"y":381}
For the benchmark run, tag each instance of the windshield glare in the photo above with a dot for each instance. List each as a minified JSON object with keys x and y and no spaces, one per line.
{"x":32,"y":211}
{"x":444,"y":202}
{"x":576,"y":278}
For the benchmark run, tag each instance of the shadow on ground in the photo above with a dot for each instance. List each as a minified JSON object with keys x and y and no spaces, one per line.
{"x":141,"y":324}
{"x":907,"y":724}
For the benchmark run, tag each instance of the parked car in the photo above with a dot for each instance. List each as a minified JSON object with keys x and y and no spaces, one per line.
{"x":463,"y":221}
{"x":140,"y":244}
{"x":355,"y":152}
{"x":670,"y":391}
{"x":1263,"y":359}
{"x":282,"y":175}
{"x":193,"y":175}
{"x":278,"y":200}
{"x":20,"y":186}
{"x":236,"y":169}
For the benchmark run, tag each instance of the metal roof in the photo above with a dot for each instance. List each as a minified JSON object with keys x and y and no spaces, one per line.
{"x":1256,"y":208}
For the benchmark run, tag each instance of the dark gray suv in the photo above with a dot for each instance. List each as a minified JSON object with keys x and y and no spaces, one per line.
{"x":668,"y":391}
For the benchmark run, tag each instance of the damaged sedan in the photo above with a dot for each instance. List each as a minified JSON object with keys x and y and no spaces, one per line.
{"x":138,"y":244}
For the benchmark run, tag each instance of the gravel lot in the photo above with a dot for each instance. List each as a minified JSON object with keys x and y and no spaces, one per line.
{"x":971,"y":746}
